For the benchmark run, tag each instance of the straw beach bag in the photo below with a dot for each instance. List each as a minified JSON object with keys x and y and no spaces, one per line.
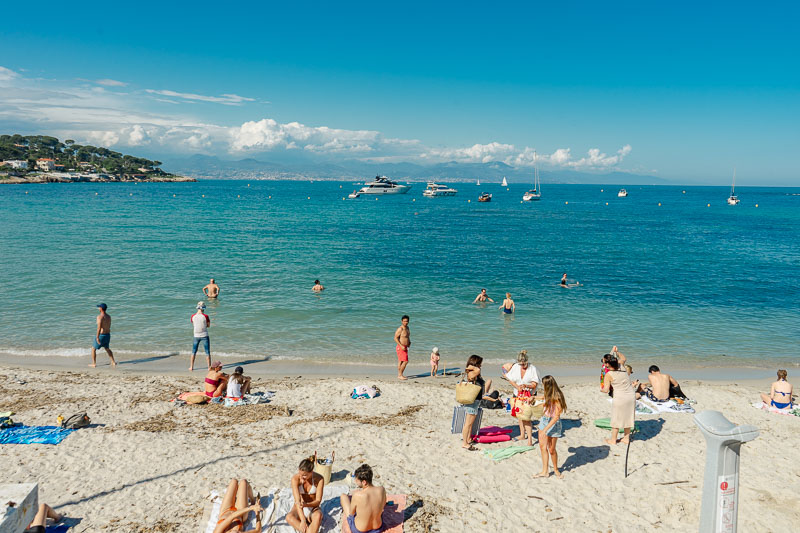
{"x":466,"y":392}
{"x":323,"y":467}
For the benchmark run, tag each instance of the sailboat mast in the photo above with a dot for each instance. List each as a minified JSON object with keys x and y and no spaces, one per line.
{"x":733,"y":186}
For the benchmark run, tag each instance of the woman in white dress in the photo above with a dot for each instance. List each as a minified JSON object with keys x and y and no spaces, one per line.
{"x":524,"y":378}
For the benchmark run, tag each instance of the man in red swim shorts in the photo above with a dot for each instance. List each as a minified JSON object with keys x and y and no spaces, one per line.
{"x":402,"y":337}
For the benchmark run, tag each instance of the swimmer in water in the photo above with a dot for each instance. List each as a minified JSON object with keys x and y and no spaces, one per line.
{"x":211,"y":290}
{"x":317,"y":286}
{"x":482,"y":297}
{"x":567,"y":285}
{"x":508,"y":306}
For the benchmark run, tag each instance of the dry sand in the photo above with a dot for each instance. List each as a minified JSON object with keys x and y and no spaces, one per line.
{"x":148,"y":465}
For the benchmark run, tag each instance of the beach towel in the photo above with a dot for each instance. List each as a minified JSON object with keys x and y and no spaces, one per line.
{"x":795,"y":410}
{"x":605,"y":423}
{"x":363,"y":392}
{"x":646,"y":406}
{"x":267,"y":503}
{"x":33,"y":435}
{"x":501,"y":454}
{"x":58,"y":528}
{"x":331,"y":507}
{"x":250,"y":399}
{"x":494,"y":430}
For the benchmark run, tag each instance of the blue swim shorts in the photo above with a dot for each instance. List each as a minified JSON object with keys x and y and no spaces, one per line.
{"x":105,"y":340}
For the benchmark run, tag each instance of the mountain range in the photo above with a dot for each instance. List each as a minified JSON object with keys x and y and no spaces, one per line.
{"x":212,"y":167}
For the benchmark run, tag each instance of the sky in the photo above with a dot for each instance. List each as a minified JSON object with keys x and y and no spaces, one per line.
{"x":682,"y":91}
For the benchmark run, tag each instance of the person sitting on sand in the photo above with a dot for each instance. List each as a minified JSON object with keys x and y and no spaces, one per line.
{"x":317,"y":286}
{"x":237,"y":503}
{"x":102,"y":337}
{"x":508,"y":306}
{"x":623,"y":402}
{"x":39,"y":523}
{"x":661,"y":387}
{"x":780,"y":393}
{"x":524,"y":378}
{"x":482,"y":297}
{"x":307,"y":486}
{"x":211,"y":290}
{"x":361,"y":512}
{"x":216,"y":380}
{"x":238,"y":384}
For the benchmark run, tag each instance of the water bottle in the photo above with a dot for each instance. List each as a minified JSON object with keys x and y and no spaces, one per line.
{"x":59,"y":420}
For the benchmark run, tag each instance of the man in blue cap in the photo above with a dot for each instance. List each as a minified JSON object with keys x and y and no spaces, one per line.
{"x":102,"y":338}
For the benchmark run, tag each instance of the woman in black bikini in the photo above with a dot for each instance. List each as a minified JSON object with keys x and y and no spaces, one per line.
{"x":236,"y":506}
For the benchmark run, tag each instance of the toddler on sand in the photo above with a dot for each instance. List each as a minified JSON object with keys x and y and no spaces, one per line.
{"x":434,"y":361}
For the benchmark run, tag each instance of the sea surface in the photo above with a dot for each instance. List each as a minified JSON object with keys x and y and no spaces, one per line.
{"x":681,"y":282}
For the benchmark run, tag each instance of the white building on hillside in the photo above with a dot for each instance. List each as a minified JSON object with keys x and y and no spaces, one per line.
{"x":17,"y":164}
{"x":45,"y":164}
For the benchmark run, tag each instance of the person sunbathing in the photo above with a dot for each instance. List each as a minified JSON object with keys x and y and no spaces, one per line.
{"x":362,"y":511}
{"x":216,"y":380}
{"x":307,"y":486}
{"x":662,"y":386}
{"x":780,"y":393}
{"x":236,"y":505}
{"x":39,"y":524}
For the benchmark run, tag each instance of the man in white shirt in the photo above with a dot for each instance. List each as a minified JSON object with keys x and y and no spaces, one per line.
{"x":200,"y":321}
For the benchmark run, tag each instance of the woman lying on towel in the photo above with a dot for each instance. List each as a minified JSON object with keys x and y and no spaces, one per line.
{"x":780,"y":394}
{"x":307,"y":486}
{"x":236,"y":505}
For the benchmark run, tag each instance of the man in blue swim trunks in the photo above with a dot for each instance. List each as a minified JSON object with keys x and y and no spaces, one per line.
{"x":362,"y":511}
{"x":102,"y":338}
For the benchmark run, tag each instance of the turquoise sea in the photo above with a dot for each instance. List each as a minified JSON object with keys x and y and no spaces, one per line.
{"x":681,"y":281}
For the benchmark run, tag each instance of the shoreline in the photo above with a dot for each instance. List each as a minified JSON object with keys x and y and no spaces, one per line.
{"x":176,"y":365}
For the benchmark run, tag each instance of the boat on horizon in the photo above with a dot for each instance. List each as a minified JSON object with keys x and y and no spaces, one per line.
{"x":485,"y":197}
{"x":733,"y":199}
{"x":383,"y":185}
{"x":479,"y":182}
{"x":353,"y":194}
{"x":536,"y":192}
{"x":436,"y":189}
{"x":622,"y":193}
{"x":505,"y":183}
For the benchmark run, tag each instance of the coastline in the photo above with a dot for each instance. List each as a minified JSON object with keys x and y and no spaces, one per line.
{"x":153,"y":463}
{"x":51,"y":178}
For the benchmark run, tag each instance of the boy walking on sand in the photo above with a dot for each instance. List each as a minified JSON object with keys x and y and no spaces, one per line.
{"x":402,"y":338}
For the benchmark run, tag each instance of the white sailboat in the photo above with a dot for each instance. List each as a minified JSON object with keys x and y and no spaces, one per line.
{"x":505,"y":183}
{"x":479,"y":182}
{"x":536,"y":192}
{"x":733,"y":199}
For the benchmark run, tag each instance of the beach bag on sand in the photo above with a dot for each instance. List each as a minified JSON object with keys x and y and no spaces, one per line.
{"x":196,"y":398}
{"x":81,"y":420}
{"x":324,"y":466}
{"x":466,"y":392}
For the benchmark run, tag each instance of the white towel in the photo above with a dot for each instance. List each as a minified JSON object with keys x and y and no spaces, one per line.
{"x":670,"y":406}
{"x":773,"y":409}
{"x":331,"y":510}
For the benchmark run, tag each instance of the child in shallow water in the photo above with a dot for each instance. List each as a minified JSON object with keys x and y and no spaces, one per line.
{"x":434,"y":361}
{"x":550,"y":429}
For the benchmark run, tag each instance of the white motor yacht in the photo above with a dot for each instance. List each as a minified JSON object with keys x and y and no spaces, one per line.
{"x":383,"y":185}
{"x":435,"y":189}
{"x":622,"y":193}
{"x":353,"y":194}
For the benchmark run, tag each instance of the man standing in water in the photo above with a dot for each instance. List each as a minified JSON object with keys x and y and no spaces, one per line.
{"x":212,"y":289}
{"x":102,"y":338}
{"x":402,"y":337}
{"x":482,"y":297}
{"x":317,"y":286}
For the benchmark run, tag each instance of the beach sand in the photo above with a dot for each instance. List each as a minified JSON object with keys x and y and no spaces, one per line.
{"x":149,"y":466}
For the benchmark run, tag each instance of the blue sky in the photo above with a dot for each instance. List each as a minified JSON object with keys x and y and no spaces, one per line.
{"x":681,"y":91}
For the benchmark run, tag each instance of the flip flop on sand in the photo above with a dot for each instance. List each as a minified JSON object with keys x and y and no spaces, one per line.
{"x":470,"y":448}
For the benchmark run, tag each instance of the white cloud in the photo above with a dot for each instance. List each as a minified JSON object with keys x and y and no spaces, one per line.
{"x":90,"y":113}
{"x":111,"y":83}
{"x":7,"y":75}
{"x":226,"y":99}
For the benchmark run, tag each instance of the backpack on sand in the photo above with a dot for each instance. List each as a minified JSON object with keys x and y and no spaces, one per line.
{"x":81,"y":420}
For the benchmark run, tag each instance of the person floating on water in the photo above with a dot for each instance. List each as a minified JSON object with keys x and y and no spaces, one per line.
{"x":482,"y":297}
{"x":317,"y":286}
{"x":211,"y":290}
{"x":402,"y":338}
{"x":102,"y":338}
{"x":508,"y":306}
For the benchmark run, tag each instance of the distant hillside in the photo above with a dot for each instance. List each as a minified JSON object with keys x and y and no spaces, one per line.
{"x":203,"y":166}
{"x":71,"y":156}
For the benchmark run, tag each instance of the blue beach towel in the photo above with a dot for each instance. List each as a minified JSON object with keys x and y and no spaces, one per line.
{"x":58,"y":528}
{"x":33,"y":435}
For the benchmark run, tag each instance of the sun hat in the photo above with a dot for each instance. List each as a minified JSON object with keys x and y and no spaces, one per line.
{"x":216,"y":364}
{"x":435,"y":349}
